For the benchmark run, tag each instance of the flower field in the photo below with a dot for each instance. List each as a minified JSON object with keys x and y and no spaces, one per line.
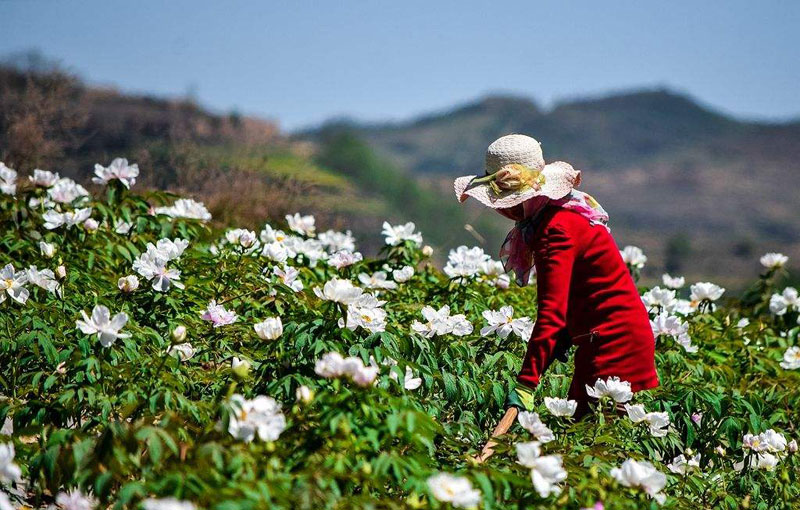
{"x":147,"y":361}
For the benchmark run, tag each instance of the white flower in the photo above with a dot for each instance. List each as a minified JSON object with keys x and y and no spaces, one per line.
{"x":179,"y":333}
{"x":66,"y":191}
{"x":91,"y":225}
{"x":791,"y":358}
{"x":44,"y":278}
{"x":13,"y":283}
{"x":560,"y":406}
{"x":465,"y":262}
{"x":455,"y":490}
{"x":73,"y":500}
{"x":427,"y":250}
{"x":398,"y":234}
{"x":54,"y":219}
{"x":167,"y":504}
{"x":61,"y":272}
{"x":641,"y":474}
{"x":364,"y":376}
{"x":673,"y":282}
{"x":8,"y":180}
{"x":680,"y":465}
{"x":503,"y":323}
{"x":769,"y":441}
{"x":787,"y":300}
{"x":8,"y":470}
{"x":338,"y":241}
{"x":260,"y":416}
{"x":288,"y":276}
{"x":185,"y":208}
{"x":792,"y":446}
{"x":5,"y":503}
{"x":663,"y":299}
{"x":128,"y":283}
{"x":531,"y":422}
{"x":275,"y":251}
{"x":218,"y":315}
{"x":409,"y":381}
{"x":332,"y":365}
{"x":613,"y":387}
{"x":773,"y":260}
{"x":48,"y":250}
{"x":546,"y":471}
{"x":236,"y":363}
{"x":103,"y":325}
{"x":338,"y":291}
{"x":118,"y":169}
{"x":656,"y":421}
{"x":304,"y":394}
{"x":705,"y":291}
{"x":633,"y":256}
{"x":743,"y":323}
{"x":440,"y":322}
{"x":182,"y":351}
{"x":271,"y":235}
{"x":344,"y":258}
{"x":671,"y":325}
{"x":377,"y":280}
{"x":365,"y":312}
{"x":302,"y":224}
{"x":43,"y":178}
{"x":241,"y":237}
{"x":153,"y":263}
{"x":403,"y":274}
{"x":269,"y":329}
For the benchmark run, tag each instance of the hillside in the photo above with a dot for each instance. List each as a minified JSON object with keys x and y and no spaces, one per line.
{"x":700,"y":191}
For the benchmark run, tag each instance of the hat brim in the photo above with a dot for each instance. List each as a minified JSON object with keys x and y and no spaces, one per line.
{"x":559,"y":179}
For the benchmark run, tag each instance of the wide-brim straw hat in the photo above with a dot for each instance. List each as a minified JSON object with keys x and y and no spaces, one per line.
{"x":517,"y":156}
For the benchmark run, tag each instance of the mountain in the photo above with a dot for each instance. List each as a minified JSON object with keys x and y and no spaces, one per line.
{"x":703,"y":193}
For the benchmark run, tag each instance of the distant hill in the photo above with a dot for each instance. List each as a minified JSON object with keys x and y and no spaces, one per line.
{"x":702,"y":192}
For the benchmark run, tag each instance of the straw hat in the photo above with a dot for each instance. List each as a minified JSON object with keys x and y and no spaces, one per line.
{"x":515,"y":172}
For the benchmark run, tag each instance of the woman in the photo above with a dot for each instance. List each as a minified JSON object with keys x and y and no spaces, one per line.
{"x":586,"y":296}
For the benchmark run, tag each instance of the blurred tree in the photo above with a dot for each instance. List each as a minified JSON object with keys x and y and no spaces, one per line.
{"x":678,"y":248}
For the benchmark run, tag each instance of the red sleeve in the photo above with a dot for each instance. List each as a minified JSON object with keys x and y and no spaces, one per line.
{"x":554,"y":257}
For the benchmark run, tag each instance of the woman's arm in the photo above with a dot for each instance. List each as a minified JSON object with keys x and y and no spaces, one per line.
{"x":554,"y":258}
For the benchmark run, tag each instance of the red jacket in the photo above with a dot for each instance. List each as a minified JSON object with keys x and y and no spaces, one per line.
{"x":587,"y":296}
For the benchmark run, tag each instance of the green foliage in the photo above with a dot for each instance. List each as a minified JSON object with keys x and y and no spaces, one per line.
{"x":133,"y":421}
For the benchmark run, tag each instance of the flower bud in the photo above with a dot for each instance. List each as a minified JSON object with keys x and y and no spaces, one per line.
{"x":182,"y":351}
{"x":179,"y":333}
{"x":427,"y":250}
{"x":61,"y":272}
{"x":47,"y":249}
{"x":270,"y":329}
{"x":304,"y":394}
{"x":241,"y":368}
{"x":792,"y":446}
{"x":720,"y":451}
{"x":128,"y":283}
{"x":91,"y":225}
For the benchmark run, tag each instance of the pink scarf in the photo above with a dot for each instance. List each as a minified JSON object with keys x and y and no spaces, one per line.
{"x":516,"y":252}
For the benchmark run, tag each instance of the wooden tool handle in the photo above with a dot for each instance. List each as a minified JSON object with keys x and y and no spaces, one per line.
{"x":502,"y":427}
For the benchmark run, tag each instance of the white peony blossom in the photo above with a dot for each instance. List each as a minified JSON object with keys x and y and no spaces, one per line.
{"x":531,"y":422}
{"x":673,"y":282}
{"x":167,"y":504}
{"x":656,"y":421}
{"x":305,"y":225}
{"x":365,"y":312}
{"x":547,"y":471}
{"x":332,"y":365}
{"x":218,"y":315}
{"x":613,"y":387}
{"x":66,"y":191}
{"x":503,"y":323}
{"x":769,"y":441}
{"x":560,"y":406}
{"x":659,"y":299}
{"x":48,"y":250}
{"x":12,"y":283}
{"x":773,"y":260}
{"x":399,"y":234}
{"x":260,"y":417}
{"x":343,"y":258}
{"x":440,"y":322}
{"x":241,"y":237}
{"x":671,"y":325}
{"x":705,"y":291}
{"x":9,"y":471}
{"x":465,"y":262}
{"x":128,"y":284}
{"x":338,"y":291}
{"x":43,"y":178}
{"x":403,"y":274}
{"x":786,"y":301}
{"x":44,"y":279}
{"x":182,"y":351}
{"x":185,"y":208}
{"x":54,"y":219}
{"x":455,"y":490}
{"x":681,"y":465}
{"x":642,"y":474}
{"x":73,"y":500}
{"x":633,"y":256}
{"x":152,"y":264}
{"x":119,"y":169}
{"x":269,"y":329}
{"x":335,"y":241}
{"x":289,"y":276}
{"x":8,"y":180}
{"x":791,"y":358}
{"x":103,"y":325}
{"x":377,"y":280}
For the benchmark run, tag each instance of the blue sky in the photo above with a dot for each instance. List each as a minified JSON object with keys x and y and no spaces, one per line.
{"x":302,"y":62}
